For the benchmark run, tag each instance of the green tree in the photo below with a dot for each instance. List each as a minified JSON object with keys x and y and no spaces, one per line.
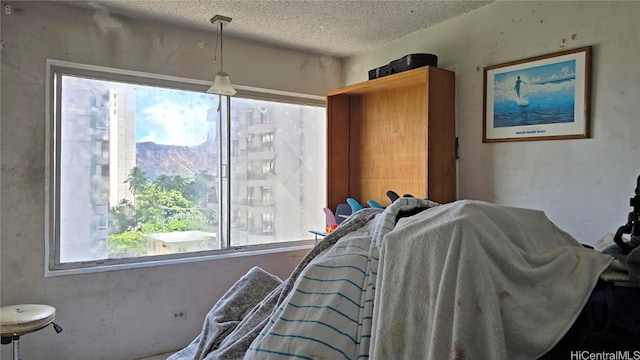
{"x":156,"y":205}
{"x":137,"y":181}
{"x":130,"y":243}
{"x":167,"y":204}
{"x":168,"y":183}
{"x":201,"y":189}
{"x":122,"y":217}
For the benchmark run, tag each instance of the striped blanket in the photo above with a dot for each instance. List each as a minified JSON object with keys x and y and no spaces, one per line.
{"x":329,"y":312}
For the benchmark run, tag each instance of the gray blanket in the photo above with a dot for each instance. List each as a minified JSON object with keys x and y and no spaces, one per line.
{"x":228,"y":312}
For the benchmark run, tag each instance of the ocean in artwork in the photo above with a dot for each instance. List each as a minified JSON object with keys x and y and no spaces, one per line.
{"x":535,"y":96}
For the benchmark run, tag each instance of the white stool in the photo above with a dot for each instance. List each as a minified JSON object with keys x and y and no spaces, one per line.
{"x":17,"y":320}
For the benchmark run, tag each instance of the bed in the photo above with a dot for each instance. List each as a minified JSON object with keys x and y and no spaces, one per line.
{"x":417,"y":280}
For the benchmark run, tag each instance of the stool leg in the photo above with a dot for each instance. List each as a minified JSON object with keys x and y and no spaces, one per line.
{"x":16,"y":348}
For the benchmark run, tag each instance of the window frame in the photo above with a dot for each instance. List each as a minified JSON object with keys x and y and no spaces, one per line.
{"x":53,"y":267}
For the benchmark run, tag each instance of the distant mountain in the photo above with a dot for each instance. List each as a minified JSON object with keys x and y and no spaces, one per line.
{"x":156,"y":159}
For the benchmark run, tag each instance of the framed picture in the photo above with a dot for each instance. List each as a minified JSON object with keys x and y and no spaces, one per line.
{"x":540,"y":98}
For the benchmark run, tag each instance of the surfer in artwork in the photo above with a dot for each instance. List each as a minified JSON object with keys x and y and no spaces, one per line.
{"x":517,"y":87}
{"x":520,"y":100}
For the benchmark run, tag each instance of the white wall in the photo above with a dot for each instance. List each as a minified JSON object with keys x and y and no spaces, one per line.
{"x":583,"y":185}
{"x":118,"y":314}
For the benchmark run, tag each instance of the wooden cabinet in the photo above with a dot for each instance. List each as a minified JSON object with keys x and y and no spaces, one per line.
{"x":393,"y":133}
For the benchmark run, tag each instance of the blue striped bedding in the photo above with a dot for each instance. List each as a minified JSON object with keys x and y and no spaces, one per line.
{"x":324,"y":310}
{"x":328,"y":313}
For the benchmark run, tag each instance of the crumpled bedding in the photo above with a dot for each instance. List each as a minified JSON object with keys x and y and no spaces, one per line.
{"x":462,"y":280}
{"x":479,"y":281}
{"x":236,"y":339}
{"x":228,"y":312}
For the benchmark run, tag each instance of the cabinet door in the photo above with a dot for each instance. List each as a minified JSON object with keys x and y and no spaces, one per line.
{"x":392,"y":133}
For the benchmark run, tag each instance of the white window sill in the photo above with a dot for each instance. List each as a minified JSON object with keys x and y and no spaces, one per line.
{"x":296,"y":246}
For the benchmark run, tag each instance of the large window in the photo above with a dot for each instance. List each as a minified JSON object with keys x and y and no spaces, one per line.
{"x":146,"y":168}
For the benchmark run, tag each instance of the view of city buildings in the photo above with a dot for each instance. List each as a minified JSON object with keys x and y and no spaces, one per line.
{"x":277,"y":168}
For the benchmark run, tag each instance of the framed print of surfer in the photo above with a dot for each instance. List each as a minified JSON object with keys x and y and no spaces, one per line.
{"x":545,"y":97}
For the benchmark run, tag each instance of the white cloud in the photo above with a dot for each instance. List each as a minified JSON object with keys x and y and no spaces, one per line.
{"x":171,"y":123}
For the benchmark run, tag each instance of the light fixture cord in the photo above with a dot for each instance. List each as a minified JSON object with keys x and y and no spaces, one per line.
{"x":215,"y":50}
{"x":221,"y":53}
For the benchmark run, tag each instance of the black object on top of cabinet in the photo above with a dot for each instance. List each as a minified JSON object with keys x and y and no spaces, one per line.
{"x":405,"y":63}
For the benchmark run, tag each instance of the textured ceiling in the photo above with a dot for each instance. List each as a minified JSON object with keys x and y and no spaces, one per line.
{"x":336,"y":28}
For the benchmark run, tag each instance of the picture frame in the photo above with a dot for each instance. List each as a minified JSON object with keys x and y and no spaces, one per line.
{"x":545,"y":97}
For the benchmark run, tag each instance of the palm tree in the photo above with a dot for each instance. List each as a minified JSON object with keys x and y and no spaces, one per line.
{"x":137,"y":180}
{"x":168,"y":182}
{"x":122,"y":217}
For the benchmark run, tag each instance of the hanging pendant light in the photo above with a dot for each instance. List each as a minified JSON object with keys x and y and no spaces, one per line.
{"x":221,"y":84}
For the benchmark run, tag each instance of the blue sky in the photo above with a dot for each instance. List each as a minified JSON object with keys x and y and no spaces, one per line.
{"x":172,"y":117}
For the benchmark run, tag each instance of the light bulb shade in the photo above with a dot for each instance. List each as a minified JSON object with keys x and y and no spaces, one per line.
{"x":222,"y":85}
